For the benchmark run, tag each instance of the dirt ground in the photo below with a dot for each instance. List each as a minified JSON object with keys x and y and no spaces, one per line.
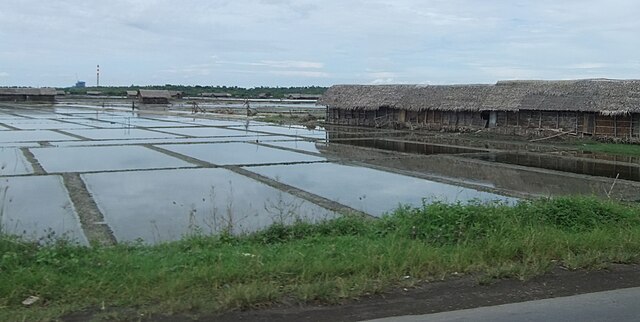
{"x":455,"y":294}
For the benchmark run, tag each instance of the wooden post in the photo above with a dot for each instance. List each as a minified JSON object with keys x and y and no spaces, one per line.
{"x":576,"y":115}
{"x":615,"y":126}
{"x":557,"y":120}
{"x":540,"y":120}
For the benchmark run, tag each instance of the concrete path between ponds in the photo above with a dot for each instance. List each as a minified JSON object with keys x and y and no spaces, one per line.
{"x":617,"y":305}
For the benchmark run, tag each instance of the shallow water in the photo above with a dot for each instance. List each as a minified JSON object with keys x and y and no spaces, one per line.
{"x":207,"y":132}
{"x":409,"y":147}
{"x":96,"y":123}
{"x":38,"y":207}
{"x":106,"y":158}
{"x":298,"y":145}
{"x":43,"y":124}
{"x":369,"y":190}
{"x":201,"y":121}
{"x":588,"y":167}
{"x":296,"y":131}
{"x":144,"y":122}
{"x":157,"y":206}
{"x":239,"y":153}
{"x":13,"y":162}
{"x":32,"y":136}
{"x":262,"y":138}
{"x":124,"y":133}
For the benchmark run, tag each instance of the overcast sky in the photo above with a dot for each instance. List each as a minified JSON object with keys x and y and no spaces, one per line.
{"x":302,"y":42}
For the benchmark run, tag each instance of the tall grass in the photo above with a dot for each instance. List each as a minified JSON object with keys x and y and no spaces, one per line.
{"x":613,"y":148}
{"x":326,"y":261}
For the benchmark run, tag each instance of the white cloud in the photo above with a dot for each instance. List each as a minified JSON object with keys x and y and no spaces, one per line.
{"x":588,"y":66}
{"x":383,"y":81}
{"x":276,"y":42}
{"x":508,"y":72}
{"x":301,"y":73}
{"x":292,"y":64}
{"x":382,"y":75}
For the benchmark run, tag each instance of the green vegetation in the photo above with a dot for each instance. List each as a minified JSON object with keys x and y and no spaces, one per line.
{"x":237,"y":92}
{"x":613,"y":148}
{"x":327,"y":261}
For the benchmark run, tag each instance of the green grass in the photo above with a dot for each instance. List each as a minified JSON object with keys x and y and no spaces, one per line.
{"x":613,"y":148}
{"x":327,"y":261}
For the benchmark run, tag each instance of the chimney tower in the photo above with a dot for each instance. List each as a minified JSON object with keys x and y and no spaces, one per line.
{"x":98,"y":76}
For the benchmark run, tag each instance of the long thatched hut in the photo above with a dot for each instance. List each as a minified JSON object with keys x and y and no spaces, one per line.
{"x":151,"y":96}
{"x":598,"y":107}
{"x":28,"y":94}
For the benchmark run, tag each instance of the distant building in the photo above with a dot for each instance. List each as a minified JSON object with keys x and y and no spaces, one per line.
{"x":301,"y":96}
{"x":176,"y":94}
{"x":218,"y":95}
{"x":132,"y":94}
{"x":28,"y":94}
{"x":94,"y":93}
{"x":61,"y":93}
{"x":264,"y":95}
{"x":81,"y":84}
{"x":149,"y":96}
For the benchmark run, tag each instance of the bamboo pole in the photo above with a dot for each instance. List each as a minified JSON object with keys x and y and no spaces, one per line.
{"x":540,"y":119}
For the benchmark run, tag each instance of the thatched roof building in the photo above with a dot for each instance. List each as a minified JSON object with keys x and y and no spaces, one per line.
{"x":28,"y":94}
{"x":604,"y":96}
{"x":599,"y":107}
{"x":150,"y":96}
{"x":217,"y":94}
{"x":176,"y":94}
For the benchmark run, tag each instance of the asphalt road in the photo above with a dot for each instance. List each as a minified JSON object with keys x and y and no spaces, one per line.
{"x":617,"y":305}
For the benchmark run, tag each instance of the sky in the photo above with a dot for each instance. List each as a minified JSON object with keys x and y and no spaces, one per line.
{"x":251,"y":43}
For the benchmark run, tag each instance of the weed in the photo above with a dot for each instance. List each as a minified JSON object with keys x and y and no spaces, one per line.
{"x":324,"y":261}
{"x":613,"y":148}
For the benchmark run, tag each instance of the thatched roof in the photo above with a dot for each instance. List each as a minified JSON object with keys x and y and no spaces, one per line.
{"x":609,"y":97}
{"x":28,"y":91}
{"x":176,"y":93}
{"x":151,"y":93}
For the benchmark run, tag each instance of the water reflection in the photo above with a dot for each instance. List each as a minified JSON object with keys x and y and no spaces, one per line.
{"x":38,"y":208}
{"x":408,"y":147}
{"x":368,"y":190}
{"x":565,"y":164}
{"x":156,"y":206}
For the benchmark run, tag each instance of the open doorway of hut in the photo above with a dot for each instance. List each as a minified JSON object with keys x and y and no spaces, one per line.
{"x":589,"y":123}
{"x":489,"y":118}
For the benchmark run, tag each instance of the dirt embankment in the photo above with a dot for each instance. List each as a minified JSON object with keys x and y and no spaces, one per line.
{"x":454,"y":294}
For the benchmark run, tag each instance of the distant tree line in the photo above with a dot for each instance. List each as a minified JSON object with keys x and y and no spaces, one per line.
{"x":240,"y":92}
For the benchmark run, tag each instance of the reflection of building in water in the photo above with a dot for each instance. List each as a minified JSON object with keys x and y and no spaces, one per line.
{"x":603,"y":108}
{"x":468,"y":168}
